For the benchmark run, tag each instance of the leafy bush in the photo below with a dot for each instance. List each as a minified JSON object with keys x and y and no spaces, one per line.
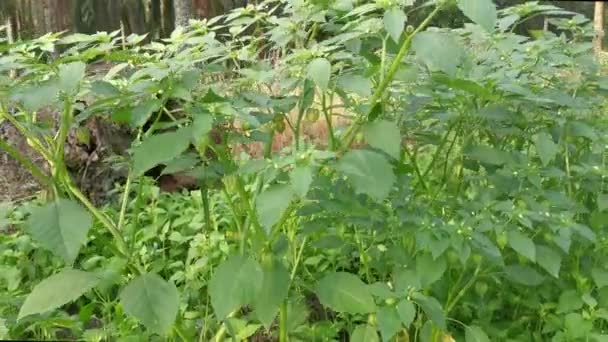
{"x":461,"y":197}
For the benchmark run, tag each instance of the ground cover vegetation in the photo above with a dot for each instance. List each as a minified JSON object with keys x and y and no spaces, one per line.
{"x":458,"y":193}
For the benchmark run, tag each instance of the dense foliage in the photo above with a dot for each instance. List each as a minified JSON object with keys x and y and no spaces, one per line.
{"x":464,"y":198}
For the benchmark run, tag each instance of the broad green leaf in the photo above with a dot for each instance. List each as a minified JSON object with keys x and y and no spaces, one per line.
{"x":384,"y":135}
{"x":152,"y":300}
{"x":201,"y":126}
{"x":482,"y":12}
{"x":319,"y":70}
{"x":475,"y":334}
{"x":576,"y":326}
{"x":522,"y":245}
{"x":234,"y":283}
{"x":548,"y":259}
{"x":545,"y":147}
{"x":405,"y":279}
{"x":487,"y":155}
{"x":57,"y":290}
{"x":357,"y":84}
{"x":569,"y":301}
{"x":369,"y":172}
{"x":70,"y":76}
{"x":301,"y":178}
{"x":141,"y":113}
{"x":600,"y":277}
{"x":394,"y":22}
{"x":432,"y":308}
{"x":440,"y":51}
{"x":273,"y":291}
{"x":345,"y":292}
{"x":160,"y":148}
{"x":429,"y":270}
{"x":407,"y":312}
{"x":389,"y":323}
{"x":60,"y":227}
{"x":364,"y":333}
{"x":272,"y":203}
{"x":524,"y":275}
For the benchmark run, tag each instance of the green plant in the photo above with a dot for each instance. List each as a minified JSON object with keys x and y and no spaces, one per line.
{"x":464,"y":198}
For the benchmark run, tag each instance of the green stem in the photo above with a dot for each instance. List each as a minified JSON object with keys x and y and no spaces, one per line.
{"x":327,"y":114}
{"x":464,"y":290}
{"x":350,"y":134}
{"x":125,"y":200}
{"x":283,"y":322}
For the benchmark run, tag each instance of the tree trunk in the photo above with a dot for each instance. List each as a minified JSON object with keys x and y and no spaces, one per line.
{"x":167,"y":16}
{"x":598,"y":25}
{"x":184,"y":11}
{"x":135,"y":14}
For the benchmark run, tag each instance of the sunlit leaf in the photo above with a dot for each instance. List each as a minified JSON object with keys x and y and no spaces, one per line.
{"x":364,"y":333}
{"x":319,"y":70}
{"x":432,"y":308}
{"x":440,"y":51}
{"x":548,"y":259}
{"x":394,"y":22}
{"x":273,"y":291}
{"x":522,"y":245}
{"x":389,"y":323}
{"x":482,"y":12}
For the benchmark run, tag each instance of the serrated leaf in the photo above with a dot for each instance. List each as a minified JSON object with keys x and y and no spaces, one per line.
{"x":160,"y":148}
{"x":548,"y":259}
{"x":301,"y":178}
{"x":407,"y":312}
{"x":357,"y":84}
{"x":524,"y":275}
{"x":273,"y":291}
{"x":104,"y":89}
{"x":385,"y":136}
{"x":61,"y":227}
{"x":234,"y":283}
{"x":70,"y":76}
{"x":394,"y":22}
{"x":319,"y":70}
{"x":152,"y":300}
{"x":429,"y":270}
{"x":272,"y":203}
{"x":475,"y":334}
{"x":369,"y":172}
{"x":141,"y":113}
{"x":522,"y":245}
{"x":440,"y":51}
{"x":57,"y":290}
{"x":482,"y":12}
{"x":432,"y":309}
{"x":389,"y":323}
{"x":345,"y":292}
{"x":364,"y":333}
{"x":545,"y":147}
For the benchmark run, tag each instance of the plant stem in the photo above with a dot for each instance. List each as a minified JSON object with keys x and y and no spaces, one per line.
{"x":350,"y":134}
{"x":327,"y":114}
{"x":464,"y":289}
{"x":283,"y":322}
{"x":125,"y":199}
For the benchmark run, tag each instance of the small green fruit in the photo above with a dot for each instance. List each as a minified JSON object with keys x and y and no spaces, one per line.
{"x":312,"y":115}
